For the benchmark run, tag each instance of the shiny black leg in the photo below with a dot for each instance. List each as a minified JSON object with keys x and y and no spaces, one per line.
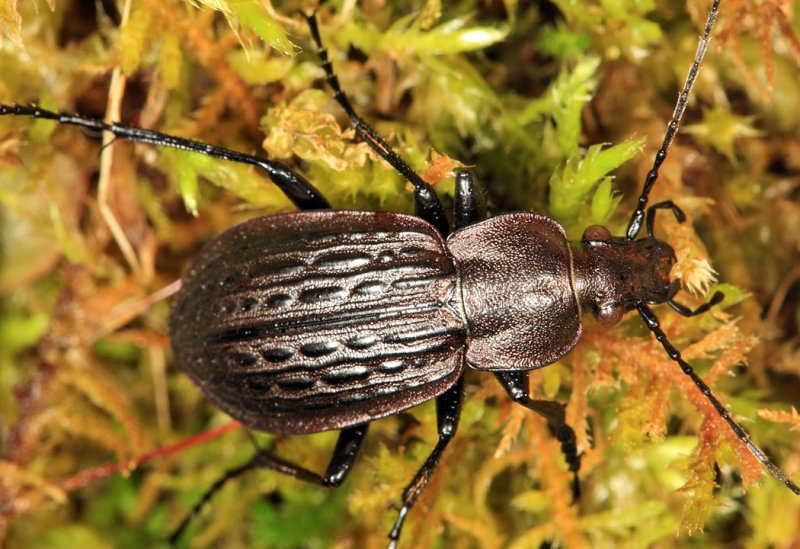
{"x":686,"y":311}
{"x":344,"y":456}
{"x":448,"y":412}
{"x":470,"y":200}
{"x":302,"y":193}
{"x":666,"y":205}
{"x":516,"y":385}
{"x":427,"y":204}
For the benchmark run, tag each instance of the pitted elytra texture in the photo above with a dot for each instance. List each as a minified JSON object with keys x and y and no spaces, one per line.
{"x":320,"y":322}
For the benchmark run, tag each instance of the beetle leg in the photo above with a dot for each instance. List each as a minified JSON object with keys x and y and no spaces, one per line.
{"x":666,"y":205}
{"x":426,"y":203}
{"x":448,"y":413}
{"x":686,"y":311}
{"x":470,"y":200}
{"x":296,"y":188}
{"x":344,"y":456}
{"x":516,"y":385}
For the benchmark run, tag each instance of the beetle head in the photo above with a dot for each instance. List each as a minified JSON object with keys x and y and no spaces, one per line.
{"x":613,"y":274}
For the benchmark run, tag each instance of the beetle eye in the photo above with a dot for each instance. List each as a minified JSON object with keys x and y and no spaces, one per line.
{"x":609,"y":314}
{"x":596,"y":233}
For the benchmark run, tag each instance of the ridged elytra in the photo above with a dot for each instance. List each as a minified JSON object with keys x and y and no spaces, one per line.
{"x":308,"y":349}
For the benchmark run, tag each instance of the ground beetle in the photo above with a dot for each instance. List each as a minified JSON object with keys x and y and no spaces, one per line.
{"x":327,"y":320}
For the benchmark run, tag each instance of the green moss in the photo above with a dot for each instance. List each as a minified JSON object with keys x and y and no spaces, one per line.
{"x":557,"y":113}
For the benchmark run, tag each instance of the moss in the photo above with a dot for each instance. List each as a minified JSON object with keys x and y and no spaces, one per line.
{"x":523,"y":94}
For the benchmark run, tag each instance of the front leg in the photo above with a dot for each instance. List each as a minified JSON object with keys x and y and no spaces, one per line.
{"x":470,"y":200}
{"x":426,"y":204}
{"x":516,"y":385}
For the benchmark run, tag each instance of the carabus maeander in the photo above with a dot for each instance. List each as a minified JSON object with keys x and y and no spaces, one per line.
{"x":327,"y":319}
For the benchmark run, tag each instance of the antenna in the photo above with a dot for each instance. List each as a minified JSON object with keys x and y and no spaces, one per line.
{"x":635,"y":223}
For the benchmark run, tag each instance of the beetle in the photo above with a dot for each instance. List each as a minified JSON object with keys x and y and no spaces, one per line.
{"x":334,"y":359}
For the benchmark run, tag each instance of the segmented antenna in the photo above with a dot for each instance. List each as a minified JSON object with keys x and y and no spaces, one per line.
{"x":649,"y":318}
{"x":635,"y":223}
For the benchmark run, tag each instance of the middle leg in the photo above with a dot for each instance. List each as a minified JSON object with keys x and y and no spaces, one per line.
{"x":448,"y":413}
{"x":516,"y":385}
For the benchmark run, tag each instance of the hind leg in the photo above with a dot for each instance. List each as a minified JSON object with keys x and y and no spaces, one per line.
{"x":344,"y":456}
